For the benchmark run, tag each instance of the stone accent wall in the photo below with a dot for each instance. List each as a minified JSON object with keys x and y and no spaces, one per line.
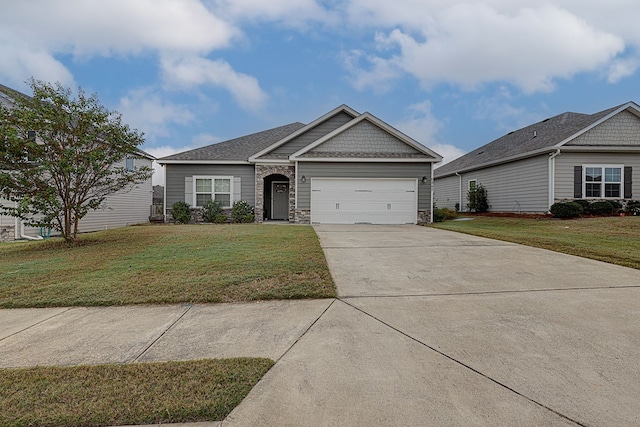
{"x":423,"y":217}
{"x":263,"y":171}
{"x":365,"y":137}
{"x":302,"y":216}
{"x":7,"y":233}
{"x":622,"y":129}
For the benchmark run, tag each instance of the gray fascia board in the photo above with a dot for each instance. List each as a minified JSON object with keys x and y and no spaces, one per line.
{"x":203,"y":162}
{"x":375,"y":121}
{"x":364,"y":160}
{"x":304,"y":129}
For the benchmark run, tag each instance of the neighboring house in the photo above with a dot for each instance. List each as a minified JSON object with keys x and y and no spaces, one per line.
{"x":118,"y":210}
{"x":569,"y":156}
{"x":342,"y":168}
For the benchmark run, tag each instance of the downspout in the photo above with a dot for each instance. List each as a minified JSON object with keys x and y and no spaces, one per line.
{"x":552,"y":177}
{"x":164,"y":196}
{"x":24,"y":236}
{"x":459,"y":191}
{"x":431,"y":211}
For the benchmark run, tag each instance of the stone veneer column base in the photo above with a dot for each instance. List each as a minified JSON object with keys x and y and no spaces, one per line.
{"x":423,"y":217}
{"x":7,"y":233}
{"x":302,"y":216}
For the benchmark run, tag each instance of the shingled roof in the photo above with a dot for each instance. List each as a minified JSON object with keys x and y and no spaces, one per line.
{"x":237,"y":149}
{"x":526,"y":141}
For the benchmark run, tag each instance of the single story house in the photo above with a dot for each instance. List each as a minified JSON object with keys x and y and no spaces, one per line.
{"x":120,"y":209}
{"x":342,"y":168}
{"x":569,"y":156}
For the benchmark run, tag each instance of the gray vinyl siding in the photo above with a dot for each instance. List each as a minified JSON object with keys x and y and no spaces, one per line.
{"x":175,"y":180}
{"x":446,"y":192}
{"x":566,"y":161}
{"x":122,"y":208}
{"x":312,"y":135}
{"x":364,"y":170}
{"x":521,"y":186}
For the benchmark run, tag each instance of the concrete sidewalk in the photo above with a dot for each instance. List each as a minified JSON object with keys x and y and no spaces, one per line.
{"x":431,"y":328}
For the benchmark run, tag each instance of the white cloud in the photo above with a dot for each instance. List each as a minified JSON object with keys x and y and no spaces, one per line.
{"x":623,"y":68}
{"x":194,"y":71}
{"x":146,"y":111}
{"x":291,"y":13}
{"x":471,"y":44}
{"x":421,"y":125}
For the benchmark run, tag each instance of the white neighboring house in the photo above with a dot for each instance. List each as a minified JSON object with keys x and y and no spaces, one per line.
{"x":125,"y":207}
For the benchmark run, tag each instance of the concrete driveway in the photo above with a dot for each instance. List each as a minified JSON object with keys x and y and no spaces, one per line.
{"x":431,"y":328}
{"x":438,"y":328}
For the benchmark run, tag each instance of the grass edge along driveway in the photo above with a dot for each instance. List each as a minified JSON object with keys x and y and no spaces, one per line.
{"x":615,"y":240}
{"x":166,"y":264}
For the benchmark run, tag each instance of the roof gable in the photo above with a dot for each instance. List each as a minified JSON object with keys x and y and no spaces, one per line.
{"x":272,"y":151}
{"x":546,"y":135}
{"x":366,"y":137}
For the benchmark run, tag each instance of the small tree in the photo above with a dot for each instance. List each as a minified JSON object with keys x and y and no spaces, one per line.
{"x":477,"y":198}
{"x":181,"y":212}
{"x":58,"y":155}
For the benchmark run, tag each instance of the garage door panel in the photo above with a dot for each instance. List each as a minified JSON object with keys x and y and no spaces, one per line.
{"x":376,"y":201}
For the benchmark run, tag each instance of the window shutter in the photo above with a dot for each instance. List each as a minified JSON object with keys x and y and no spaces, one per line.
{"x":577,"y":182}
{"x":237,"y":189}
{"x":627,"y":182}
{"x":188,"y":189}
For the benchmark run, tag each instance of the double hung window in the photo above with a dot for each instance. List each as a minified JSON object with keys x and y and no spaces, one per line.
{"x":602,"y":181}
{"x":216,"y":188}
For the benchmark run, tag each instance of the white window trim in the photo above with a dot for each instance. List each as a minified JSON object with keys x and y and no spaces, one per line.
{"x":602,"y":184}
{"x":212,"y":178}
{"x":475,"y":181}
{"x":133,"y":164}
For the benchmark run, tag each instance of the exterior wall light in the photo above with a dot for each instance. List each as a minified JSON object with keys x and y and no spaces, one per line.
{"x":303,"y":179}
{"x":424,"y":179}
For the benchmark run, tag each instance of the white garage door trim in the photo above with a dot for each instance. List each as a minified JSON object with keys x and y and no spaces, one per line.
{"x":364,"y":200}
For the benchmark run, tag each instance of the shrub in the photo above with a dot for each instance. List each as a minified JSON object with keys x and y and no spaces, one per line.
{"x":633,"y":207}
{"x":444,"y":214}
{"x":602,"y":207}
{"x":617,"y":206}
{"x":212,"y":212}
{"x":586,"y":205}
{"x":181,"y":212}
{"x":477,"y":198}
{"x":242,"y":211}
{"x":566,"y":210}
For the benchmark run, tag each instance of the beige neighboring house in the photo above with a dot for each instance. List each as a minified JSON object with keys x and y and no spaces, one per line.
{"x":565,"y":157}
{"x":123,"y":208}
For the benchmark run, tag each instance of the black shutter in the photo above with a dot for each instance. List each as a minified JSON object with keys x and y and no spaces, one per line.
{"x":577,"y":182}
{"x":627,"y":182}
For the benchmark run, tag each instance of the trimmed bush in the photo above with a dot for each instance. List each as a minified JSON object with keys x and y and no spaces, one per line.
{"x":617,"y":206}
{"x":602,"y":207}
{"x":242,"y":211}
{"x":586,"y":205}
{"x":181,"y":212}
{"x":212,"y":212}
{"x":477,"y":198}
{"x":444,"y":214}
{"x":633,"y":207}
{"x":566,"y":210}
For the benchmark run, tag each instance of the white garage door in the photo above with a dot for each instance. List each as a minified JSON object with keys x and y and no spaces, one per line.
{"x":371,"y":201}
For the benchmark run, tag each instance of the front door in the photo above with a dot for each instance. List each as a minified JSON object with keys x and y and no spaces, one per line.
{"x":279,"y":200}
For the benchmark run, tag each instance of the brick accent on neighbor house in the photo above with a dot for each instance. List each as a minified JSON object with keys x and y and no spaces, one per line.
{"x":263,"y":171}
{"x":7,"y":233}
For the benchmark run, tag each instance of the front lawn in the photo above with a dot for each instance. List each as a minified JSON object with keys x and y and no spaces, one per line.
{"x":141,"y":393}
{"x":611,"y":239}
{"x":166,"y":264}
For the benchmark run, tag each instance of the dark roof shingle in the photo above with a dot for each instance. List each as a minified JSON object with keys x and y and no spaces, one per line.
{"x":538,"y":136}
{"x":237,"y":149}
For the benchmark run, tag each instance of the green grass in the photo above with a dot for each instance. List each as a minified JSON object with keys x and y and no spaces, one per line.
{"x":166,"y":264}
{"x":612,"y":239}
{"x":146,"y":393}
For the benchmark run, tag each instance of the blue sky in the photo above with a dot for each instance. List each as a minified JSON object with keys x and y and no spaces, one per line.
{"x":451,"y":74}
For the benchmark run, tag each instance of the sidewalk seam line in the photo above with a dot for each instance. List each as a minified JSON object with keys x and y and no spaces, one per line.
{"x":305,"y":331}
{"x":37,"y":323}
{"x":135,"y":359}
{"x":506,"y":291}
{"x":466,"y":366}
